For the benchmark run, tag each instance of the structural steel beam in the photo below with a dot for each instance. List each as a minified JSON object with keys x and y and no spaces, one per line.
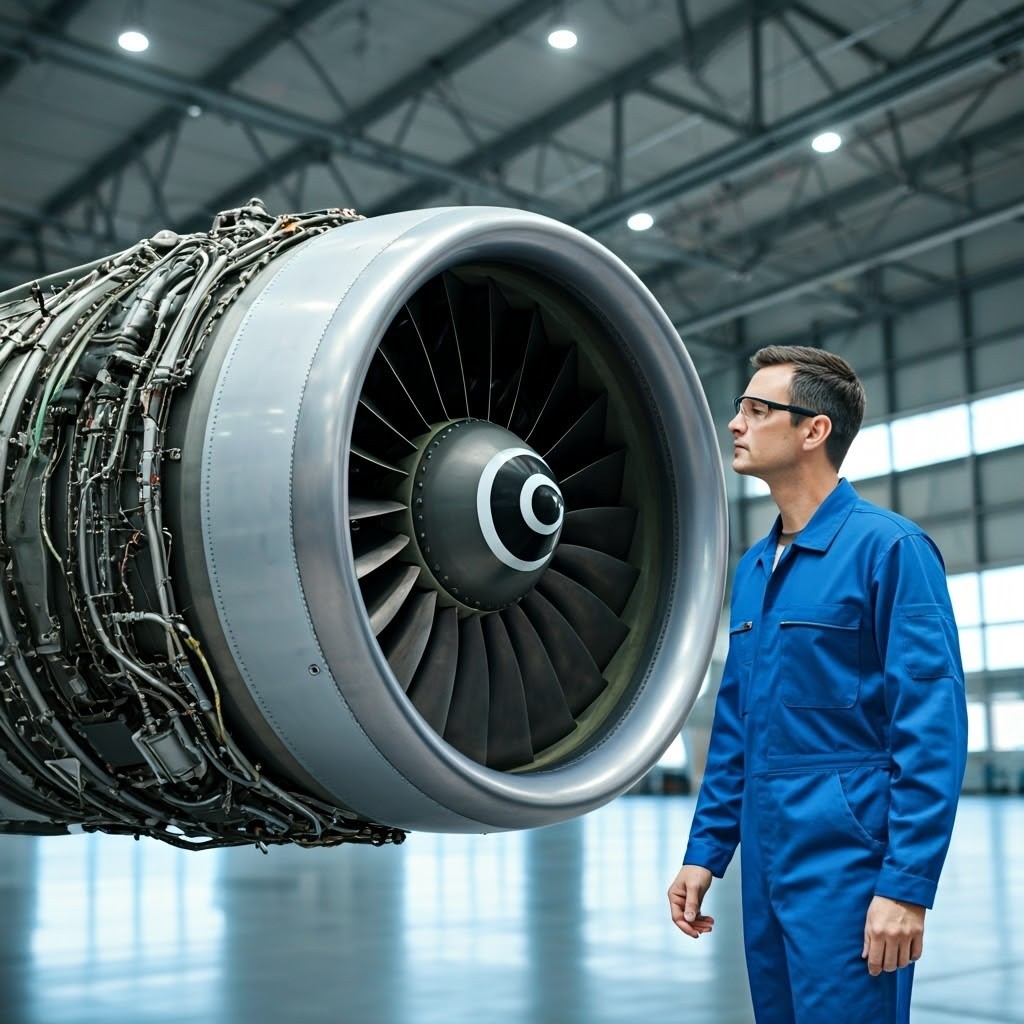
{"x":706,"y":38}
{"x":885,"y":254}
{"x":55,"y":17}
{"x":921,"y":74}
{"x":1001,"y":274}
{"x":937,"y":158}
{"x":434,"y":70}
{"x":181,"y":90}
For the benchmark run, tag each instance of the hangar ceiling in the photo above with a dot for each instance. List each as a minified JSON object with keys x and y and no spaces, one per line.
{"x":699,"y":112}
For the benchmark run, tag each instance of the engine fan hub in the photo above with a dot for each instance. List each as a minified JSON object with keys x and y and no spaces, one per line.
{"x":486,"y":513}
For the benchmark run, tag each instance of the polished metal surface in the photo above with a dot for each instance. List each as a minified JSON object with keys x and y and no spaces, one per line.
{"x":309,"y":660}
{"x":561,"y":925}
{"x":285,"y":671}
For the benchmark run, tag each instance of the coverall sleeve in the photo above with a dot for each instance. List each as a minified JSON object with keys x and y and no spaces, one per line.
{"x":715,"y":831}
{"x":926,"y":704}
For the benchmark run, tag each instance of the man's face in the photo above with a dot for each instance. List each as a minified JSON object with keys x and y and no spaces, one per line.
{"x":765,"y":442}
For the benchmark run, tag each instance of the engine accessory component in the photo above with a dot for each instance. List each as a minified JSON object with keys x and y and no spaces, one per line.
{"x":320,"y":529}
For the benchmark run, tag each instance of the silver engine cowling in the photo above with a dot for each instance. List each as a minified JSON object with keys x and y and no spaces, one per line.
{"x":319,"y":529}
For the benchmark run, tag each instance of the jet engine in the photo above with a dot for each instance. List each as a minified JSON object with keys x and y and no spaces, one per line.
{"x":321,"y":529}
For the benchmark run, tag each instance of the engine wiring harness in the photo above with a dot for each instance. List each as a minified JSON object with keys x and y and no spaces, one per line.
{"x":111,"y":718}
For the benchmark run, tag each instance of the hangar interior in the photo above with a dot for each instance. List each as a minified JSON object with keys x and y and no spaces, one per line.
{"x":678,"y":133}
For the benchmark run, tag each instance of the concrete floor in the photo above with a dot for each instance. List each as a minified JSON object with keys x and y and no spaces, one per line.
{"x":560,"y":926}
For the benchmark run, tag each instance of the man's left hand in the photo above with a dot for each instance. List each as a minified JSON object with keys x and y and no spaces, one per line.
{"x":893,"y":934}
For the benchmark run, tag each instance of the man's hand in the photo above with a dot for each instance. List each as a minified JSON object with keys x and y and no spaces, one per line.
{"x":893,"y":935}
{"x":685,"y":896}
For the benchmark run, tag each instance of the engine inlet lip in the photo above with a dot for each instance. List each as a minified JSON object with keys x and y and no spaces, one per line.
{"x":630,"y":744}
{"x":354,"y":730}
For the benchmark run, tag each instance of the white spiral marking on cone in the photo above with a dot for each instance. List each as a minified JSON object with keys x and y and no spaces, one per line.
{"x":486,"y":518}
{"x":526,"y":504}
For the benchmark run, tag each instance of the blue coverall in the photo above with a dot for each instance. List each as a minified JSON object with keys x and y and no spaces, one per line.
{"x":837,"y":753}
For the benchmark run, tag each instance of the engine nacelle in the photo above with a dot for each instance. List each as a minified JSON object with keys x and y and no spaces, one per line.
{"x":320,"y":529}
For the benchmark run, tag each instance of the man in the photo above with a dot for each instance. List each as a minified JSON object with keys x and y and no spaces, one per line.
{"x":840,"y":733}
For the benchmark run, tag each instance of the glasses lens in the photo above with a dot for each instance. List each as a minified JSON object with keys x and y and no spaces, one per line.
{"x":751,"y":408}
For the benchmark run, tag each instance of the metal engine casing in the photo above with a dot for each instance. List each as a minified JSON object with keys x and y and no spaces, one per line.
{"x":193,"y":645}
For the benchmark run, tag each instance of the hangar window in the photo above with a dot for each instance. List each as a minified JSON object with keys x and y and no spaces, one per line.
{"x":1004,"y":646}
{"x":989,"y":610}
{"x":977,"y":726}
{"x":966,"y":598}
{"x":997,"y":422}
{"x":972,"y":652}
{"x":869,"y":454}
{"x":1003,"y":594}
{"x":931,"y":437}
{"x":1008,"y":723}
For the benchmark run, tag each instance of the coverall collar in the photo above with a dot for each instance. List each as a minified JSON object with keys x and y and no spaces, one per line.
{"x":819,"y":533}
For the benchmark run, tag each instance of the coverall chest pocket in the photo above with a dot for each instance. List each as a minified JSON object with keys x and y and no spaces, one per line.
{"x":820,"y":656}
{"x":741,"y":650}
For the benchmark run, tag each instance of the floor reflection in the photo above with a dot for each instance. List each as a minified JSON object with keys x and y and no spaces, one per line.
{"x":117,"y":922}
{"x":559,"y":925}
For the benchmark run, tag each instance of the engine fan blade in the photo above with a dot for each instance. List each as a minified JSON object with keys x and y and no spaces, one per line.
{"x":578,"y":674}
{"x":467,"y":726}
{"x":600,"y":629}
{"x":582,"y":441}
{"x":600,"y":483}
{"x":508,"y":733}
{"x":372,"y":548}
{"x":385,"y":591}
{"x":453,"y":291}
{"x":384,"y":426}
{"x":431,"y":371}
{"x":405,"y":639}
{"x":562,"y":389}
{"x":549,"y":714}
{"x":608,"y":529}
{"x":431,"y":313}
{"x":378,"y":463}
{"x":432,"y":685}
{"x":368,"y":508}
{"x":536,"y":340}
{"x":609,"y":578}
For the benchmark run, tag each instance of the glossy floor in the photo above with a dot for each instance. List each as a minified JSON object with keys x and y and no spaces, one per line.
{"x":562,"y":926}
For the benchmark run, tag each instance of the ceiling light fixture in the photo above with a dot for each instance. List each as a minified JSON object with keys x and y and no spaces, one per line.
{"x":133,"y":36}
{"x":562,"y":38}
{"x":133,"y":40}
{"x":826,"y":142}
{"x":640,"y":222}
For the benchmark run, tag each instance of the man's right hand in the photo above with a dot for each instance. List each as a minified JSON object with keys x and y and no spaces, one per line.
{"x":685,"y":896}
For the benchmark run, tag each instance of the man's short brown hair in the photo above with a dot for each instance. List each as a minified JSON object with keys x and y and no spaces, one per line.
{"x":826,"y":383}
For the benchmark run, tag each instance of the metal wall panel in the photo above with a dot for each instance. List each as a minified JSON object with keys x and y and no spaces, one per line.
{"x":922,"y":330}
{"x":957,"y":542}
{"x":1002,"y":476}
{"x":860,"y":346}
{"x":876,"y":385}
{"x":936,"y":381}
{"x":876,"y":490}
{"x":1004,"y":538}
{"x":999,"y":364}
{"x":933,"y":490}
{"x":996,"y":308}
